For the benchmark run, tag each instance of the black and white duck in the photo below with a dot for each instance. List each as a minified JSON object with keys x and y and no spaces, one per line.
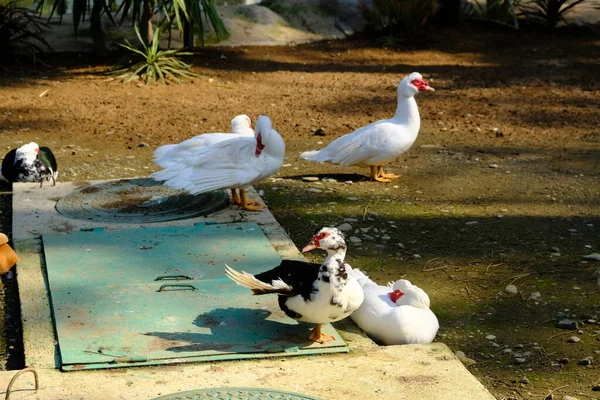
{"x":29,"y":163}
{"x":309,"y":292}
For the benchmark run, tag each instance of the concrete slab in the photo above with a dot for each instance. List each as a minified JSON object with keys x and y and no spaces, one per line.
{"x":367,"y":372}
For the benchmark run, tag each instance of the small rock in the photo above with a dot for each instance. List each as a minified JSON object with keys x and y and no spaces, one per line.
{"x":535,"y":295}
{"x":555,"y":249}
{"x":350,"y":220}
{"x":471,"y":223}
{"x":524,"y":380}
{"x":319,"y":132}
{"x":493,"y":165}
{"x":313,"y":190}
{"x":507,"y":351}
{"x":519,"y":346}
{"x":368,"y":237}
{"x":345,"y":227}
{"x":416,"y":255}
{"x":574,"y":339}
{"x":464,"y":359}
{"x":352,"y":198}
{"x":520,"y":360}
{"x":143,"y":144}
{"x":399,"y":245}
{"x":385,"y":237}
{"x":596,"y":388}
{"x":586,"y":361}
{"x":490,"y":337}
{"x":566,"y":397}
{"x":512,"y":289}
{"x":567,"y":324}
{"x":310,"y":178}
{"x":355,"y":240}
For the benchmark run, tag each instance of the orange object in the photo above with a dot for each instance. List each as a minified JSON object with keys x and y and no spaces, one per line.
{"x":8,"y":257}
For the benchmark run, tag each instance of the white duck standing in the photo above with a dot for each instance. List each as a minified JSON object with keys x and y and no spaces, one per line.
{"x":380,"y":142}
{"x":174,"y":154}
{"x":228,"y":164}
{"x":310,"y":292}
{"x":396,"y":314}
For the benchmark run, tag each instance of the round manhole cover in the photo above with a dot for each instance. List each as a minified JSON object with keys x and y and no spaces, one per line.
{"x":140,"y":200}
{"x":235,"y":393}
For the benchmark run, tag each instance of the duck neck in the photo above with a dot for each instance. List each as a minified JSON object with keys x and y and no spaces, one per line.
{"x":333,"y":269}
{"x":407,"y":113}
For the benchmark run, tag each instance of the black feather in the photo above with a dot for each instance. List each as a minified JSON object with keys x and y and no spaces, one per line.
{"x":300,"y":275}
{"x":8,"y":162}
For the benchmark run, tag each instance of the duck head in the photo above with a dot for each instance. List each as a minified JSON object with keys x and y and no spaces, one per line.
{"x":241,"y":124}
{"x":406,"y":294}
{"x":28,"y":152}
{"x":413,"y":84}
{"x":266,"y":136}
{"x":327,"y":238}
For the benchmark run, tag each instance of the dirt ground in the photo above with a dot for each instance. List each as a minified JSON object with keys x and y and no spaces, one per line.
{"x":501,"y":186}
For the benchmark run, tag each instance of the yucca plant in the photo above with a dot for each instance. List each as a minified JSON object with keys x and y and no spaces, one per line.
{"x":400,"y":17}
{"x":21,"y":32}
{"x":503,"y":12}
{"x":549,"y":12}
{"x":155,"y":65}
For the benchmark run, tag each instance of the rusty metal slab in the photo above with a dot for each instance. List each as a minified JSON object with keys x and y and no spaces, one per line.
{"x":154,"y":296}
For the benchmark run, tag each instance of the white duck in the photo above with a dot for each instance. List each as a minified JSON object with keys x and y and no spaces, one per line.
{"x":382,"y":141}
{"x":398,"y":314}
{"x":174,"y":154}
{"x":229,"y":164}
{"x":310,"y":292}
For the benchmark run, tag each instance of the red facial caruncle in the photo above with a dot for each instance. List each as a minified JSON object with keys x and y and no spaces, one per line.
{"x":315,"y":242}
{"x":259,"y":145}
{"x":395,"y":295}
{"x":421,"y":85}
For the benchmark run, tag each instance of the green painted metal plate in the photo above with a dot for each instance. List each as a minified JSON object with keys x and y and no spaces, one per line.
{"x":137,"y":200}
{"x":235,"y":393}
{"x":109,"y":309}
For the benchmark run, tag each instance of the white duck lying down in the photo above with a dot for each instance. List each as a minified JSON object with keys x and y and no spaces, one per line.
{"x":233,"y":163}
{"x":396,"y":314}
{"x":380,"y":142}
{"x":310,"y":292}
{"x":29,"y":163}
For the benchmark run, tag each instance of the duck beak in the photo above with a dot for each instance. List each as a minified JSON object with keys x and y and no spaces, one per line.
{"x":314,"y":244}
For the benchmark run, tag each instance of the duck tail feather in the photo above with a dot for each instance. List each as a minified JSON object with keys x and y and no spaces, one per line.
{"x":258,"y":287}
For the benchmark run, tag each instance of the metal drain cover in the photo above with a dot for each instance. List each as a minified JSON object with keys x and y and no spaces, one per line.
{"x":236,"y":393}
{"x":139,"y":200}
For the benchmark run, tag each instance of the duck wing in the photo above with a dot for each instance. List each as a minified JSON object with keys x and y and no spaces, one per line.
{"x":170,"y":154}
{"x":300,"y":275}
{"x":289,"y":278}
{"x":354,"y":148}
{"x":8,"y":168}
{"x":225,"y":164}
